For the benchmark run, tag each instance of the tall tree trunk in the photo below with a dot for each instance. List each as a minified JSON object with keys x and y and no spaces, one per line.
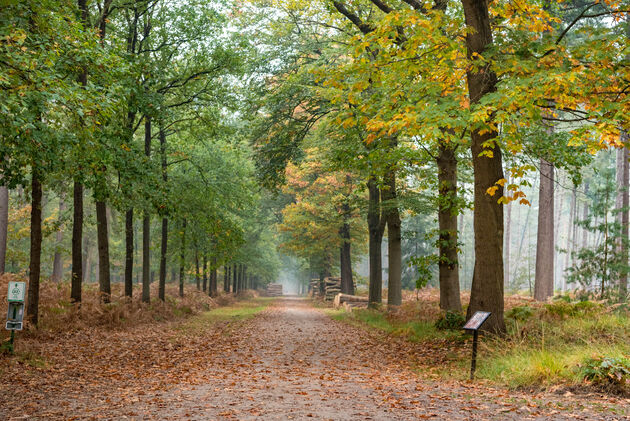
{"x":86,"y":262}
{"x":146,"y":225}
{"x":212,"y":288}
{"x":164,"y":243}
{"x":347,"y":285}
{"x":487,"y":285}
{"x":182,"y":259}
{"x":197,"y":274}
{"x":375,"y":228}
{"x":77,"y":243}
{"x":4,"y":226}
{"x":394,"y":238}
{"x":57,"y":272}
{"x":508,"y":239}
{"x":447,"y":220}
{"x":544,"y":278}
{"x":103,"y":251}
{"x":585,"y":216}
{"x":571,"y":231}
{"x":622,"y":204}
{"x":205,"y":273}
{"x":234,"y":272}
{"x":32,"y":311}
{"x":226,"y":278}
{"x":129,"y":253}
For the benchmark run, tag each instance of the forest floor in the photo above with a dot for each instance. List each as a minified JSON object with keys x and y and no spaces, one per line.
{"x":257,"y":359}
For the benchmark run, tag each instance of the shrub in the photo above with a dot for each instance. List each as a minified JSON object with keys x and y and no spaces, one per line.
{"x":608,"y":373}
{"x":520,"y":313}
{"x":450,"y":321}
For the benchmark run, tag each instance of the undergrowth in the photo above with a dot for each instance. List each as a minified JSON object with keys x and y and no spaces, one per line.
{"x":547,"y":345}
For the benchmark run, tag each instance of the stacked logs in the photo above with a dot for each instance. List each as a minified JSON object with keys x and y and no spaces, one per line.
{"x":350,"y":301}
{"x":332,"y":287}
{"x":274,"y":290}
{"x":313,"y":288}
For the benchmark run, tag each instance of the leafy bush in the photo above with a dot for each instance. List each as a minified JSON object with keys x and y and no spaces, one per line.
{"x":450,"y":321}
{"x":520,"y":313}
{"x":564,"y":310}
{"x":608,"y":373}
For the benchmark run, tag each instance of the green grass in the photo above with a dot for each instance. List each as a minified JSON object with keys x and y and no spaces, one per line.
{"x":228,"y":315}
{"x":545,"y":345}
{"x":414,"y":331}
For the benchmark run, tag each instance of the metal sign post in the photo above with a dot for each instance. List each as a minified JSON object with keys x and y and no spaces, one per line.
{"x":15,"y":313}
{"x":473,"y":325}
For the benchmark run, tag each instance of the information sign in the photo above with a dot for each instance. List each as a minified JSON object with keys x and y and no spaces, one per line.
{"x":475,"y":322}
{"x":17,"y":291}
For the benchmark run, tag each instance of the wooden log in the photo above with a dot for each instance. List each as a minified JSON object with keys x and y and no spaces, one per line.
{"x":345,"y":298}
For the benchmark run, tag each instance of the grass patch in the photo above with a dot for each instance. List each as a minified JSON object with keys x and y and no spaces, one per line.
{"x":228,"y":315}
{"x":547,"y":345}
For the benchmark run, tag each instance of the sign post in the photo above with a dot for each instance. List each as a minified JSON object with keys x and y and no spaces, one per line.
{"x":15,"y":313}
{"x":474,"y":324}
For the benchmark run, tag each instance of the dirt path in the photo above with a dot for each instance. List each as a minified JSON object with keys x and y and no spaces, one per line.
{"x":289,"y":362}
{"x":293,"y":362}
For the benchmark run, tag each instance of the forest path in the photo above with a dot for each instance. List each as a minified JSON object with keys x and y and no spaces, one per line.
{"x":294,"y":362}
{"x":290,"y":361}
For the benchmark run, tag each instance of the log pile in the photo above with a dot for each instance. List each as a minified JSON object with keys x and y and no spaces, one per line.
{"x":313,"y":288}
{"x":350,"y":301}
{"x":332,"y":287}
{"x":274,"y":290}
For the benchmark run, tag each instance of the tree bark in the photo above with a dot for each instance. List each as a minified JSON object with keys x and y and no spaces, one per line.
{"x":345,"y":255}
{"x":234,"y":272}
{"x":623,"y":174}
{"x":77,"y":243}
{"x":544,"y":278}
{"x":103,"y":252}
{"x":212,"y":288}
{"x":129,"y":253}
{"x":182,"y":259}
{"x":226,"y":278}
{"x":205,"y":273}
{"x":585,"y":216}
{"x":146,"y":225}
{"x":57,"y":273}
{"x":487,"y":285}
{"x":32,"y":310}
{"x":447,"y":220}
{"x":375,"y":228}
{"x":394,"y":238}
{"x":571,"y":231}
{"x":164,"y":241}
{"x":4,"y":226}
{"x":197,"y":274}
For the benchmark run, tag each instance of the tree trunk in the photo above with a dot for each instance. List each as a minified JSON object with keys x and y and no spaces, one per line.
{"x":234,"y":271}
{"x":164,"y":244}
{"x":347,"y":285}
{"x":129,"y":253}
{"x":182,"y":259}
{"x":375,"y":227}
{"x":103,"y":251}
{"x":4,"y":226}
{"x":394,"y":238}
{"x":205,"y":273}
{"x":447,"y":220}
{"x":487,"y":286}
{"x":146,"y":225}
{"x":571,"y":231}
{"x":585,"y":216}
{"x":226,"y":278}
{"x":197,"y":274}
{"x":622,"y":204}
{"x":57,"y":273}
{"x":77,"y":243}
{"x":212,"y":288}
{"x":32,"y":311}
{"x":544,"y":278}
